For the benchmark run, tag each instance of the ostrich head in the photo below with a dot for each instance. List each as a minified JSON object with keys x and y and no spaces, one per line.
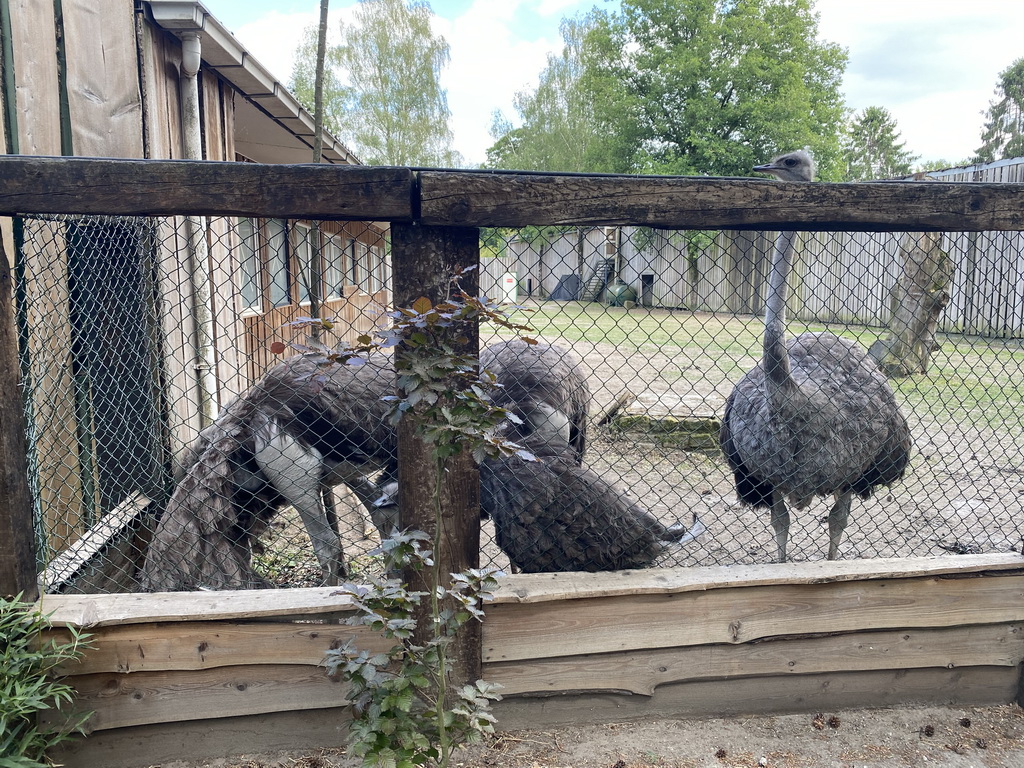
{"x":795,"y":166}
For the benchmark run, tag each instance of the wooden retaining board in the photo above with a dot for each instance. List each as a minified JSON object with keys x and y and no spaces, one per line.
{"x":569,"y":648}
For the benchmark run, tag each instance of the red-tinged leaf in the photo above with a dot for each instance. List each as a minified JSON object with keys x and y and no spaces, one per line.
{"x":528,"y":340}
{"x":422,"y":305}
{"x":278,"y":347}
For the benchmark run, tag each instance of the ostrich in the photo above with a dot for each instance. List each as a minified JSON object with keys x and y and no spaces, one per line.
{"x":544,"y":386}
{"x":551,"y":514}
{"x":301,"y":428}
{"x":816,"y":416}
{"x":304,"y":427}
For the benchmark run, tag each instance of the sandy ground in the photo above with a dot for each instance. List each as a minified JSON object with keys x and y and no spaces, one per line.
{"x":988,"y":737}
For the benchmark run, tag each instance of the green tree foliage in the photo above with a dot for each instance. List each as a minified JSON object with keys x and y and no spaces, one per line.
{"x":391,"y":107}
{"x":715,"y":86}
{"x":1003,"y":134}
{"x":561,"y":127}
{"x":303,"y":80}
{"x":873,"y":149}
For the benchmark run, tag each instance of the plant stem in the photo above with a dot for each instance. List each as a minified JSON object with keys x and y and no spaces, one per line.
{"x":435,"y":611}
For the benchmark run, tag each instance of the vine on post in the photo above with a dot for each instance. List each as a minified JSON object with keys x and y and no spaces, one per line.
{"x":405,"y":713}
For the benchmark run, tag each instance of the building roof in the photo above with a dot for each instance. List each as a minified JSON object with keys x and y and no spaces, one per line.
{"x":290,"y":131}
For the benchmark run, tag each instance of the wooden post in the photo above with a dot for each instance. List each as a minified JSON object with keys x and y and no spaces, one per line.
{"x":423,"y":259}
{"x":17,"y":536}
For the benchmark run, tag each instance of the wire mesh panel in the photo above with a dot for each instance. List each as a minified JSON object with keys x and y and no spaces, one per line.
{"x":173,"y":446}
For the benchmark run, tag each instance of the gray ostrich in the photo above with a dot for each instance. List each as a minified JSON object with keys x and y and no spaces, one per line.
{"x":553,"y":514}
{"x":303,"y":427}
{"x":815,"y":417}
{"x":544,"y":386}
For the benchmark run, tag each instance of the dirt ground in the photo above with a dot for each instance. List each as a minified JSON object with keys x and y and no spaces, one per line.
{"x":933,"y":737}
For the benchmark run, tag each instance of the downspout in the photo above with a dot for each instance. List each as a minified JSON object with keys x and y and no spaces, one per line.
{"x":195,"y":233}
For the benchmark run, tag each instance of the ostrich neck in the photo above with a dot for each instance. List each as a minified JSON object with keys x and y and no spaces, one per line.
{"x":776,"y":357}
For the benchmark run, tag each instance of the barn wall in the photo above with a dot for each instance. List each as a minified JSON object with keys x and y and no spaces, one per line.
{"x":569,"y":648}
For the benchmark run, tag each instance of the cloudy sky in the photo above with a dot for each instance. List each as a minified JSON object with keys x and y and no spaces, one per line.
{"x":932,"y":63}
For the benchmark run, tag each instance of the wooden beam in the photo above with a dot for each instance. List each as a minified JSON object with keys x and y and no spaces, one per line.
{"x":743,"y":614}
{"x":181,"y":187}
{"x":641,"y":672}
{"x":547,"y":587}
{"x":87,"y":611}
{"x":17,"y":532}
{"x":140,"y":698}
{"x":509,"y":199}
{"x":196,"y":645}
{"x":424,"y":261}
{"x":972,"y":686}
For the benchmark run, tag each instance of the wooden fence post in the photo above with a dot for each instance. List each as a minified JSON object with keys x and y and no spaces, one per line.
{"x":17,"y":535}
{"x":423,"y":260}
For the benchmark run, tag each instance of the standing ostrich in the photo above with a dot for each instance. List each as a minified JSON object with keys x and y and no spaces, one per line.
{"x":816,"y":416}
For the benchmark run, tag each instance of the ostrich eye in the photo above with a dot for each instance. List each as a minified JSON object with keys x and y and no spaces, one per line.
{"x":790,"y":162}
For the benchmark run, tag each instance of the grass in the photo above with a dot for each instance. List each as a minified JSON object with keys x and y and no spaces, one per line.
{"x":972,"y":380}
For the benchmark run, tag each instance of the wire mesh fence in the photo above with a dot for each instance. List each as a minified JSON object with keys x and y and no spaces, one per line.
{"x":140,"y":333}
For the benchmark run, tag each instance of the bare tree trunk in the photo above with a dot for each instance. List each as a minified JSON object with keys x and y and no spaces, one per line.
{"x":917,"y":301}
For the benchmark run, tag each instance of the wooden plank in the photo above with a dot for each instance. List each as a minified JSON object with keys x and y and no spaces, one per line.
{"x":140,"y":698}
{"x":103,"y":91}
{"x":641,"y":672}
{"x":207,"y":644}
{"x":65,"y":567}
{"x":971,"y":686}
{"x":17,"y":533}
{"x":514,"y":199}
{"x":600,"y":625}
{"x":104,"y":610}
{"x":543,"y":587}
{"x":34,"y":43}
{"x":197,"y":741}
{"x":168,"y":187}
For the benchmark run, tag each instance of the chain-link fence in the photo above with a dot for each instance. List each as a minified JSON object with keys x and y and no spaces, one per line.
{"x":138,"y":333}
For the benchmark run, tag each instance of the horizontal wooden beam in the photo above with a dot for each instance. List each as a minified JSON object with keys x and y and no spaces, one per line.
{"x":971,"y":686}
{"x":548,"y":587}
{"x":519,"y":199}
{"x":75,"y":185}
{"x":744,"y":614}
{"x":641,"y":672}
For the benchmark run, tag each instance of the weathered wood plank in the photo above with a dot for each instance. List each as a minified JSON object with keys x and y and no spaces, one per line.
{"x":105,"y":610}
{"x":140,"y":698}
{"x":641,"y":672}
{"x":197,"y":741}
{"x":972,"y":686}
{"x":17,"y":534}
{"x":601,"y":625}
{"x":204,"y":645}
{"x":544,"y":587}
{"x":519,"y":199}
{"x":168,"y":187}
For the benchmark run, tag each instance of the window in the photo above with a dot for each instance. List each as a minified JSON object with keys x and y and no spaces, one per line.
{"x":277,"y":262}
{"x":302,"y":234}
{"x":334,"y":266}
{"x":249,"y":265}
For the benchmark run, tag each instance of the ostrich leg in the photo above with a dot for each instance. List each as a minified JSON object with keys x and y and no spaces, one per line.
{"x":837,"y":519}
{"x":780,"y":522}
{"x":295,"y":472}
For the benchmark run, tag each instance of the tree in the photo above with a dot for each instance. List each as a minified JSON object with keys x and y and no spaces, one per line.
{"x":561,"y":130}
{"x":393,"y":109}
{"x":715,"y":86}
{"x":873,"y":149}
{"x":1003,"y":134}
{"x":303,"y":80}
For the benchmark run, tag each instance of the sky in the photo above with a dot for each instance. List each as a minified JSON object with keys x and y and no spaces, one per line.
{"x":933,"y":64}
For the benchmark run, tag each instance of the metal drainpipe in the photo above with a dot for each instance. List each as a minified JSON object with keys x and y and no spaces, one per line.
{"x":195,"y":232}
